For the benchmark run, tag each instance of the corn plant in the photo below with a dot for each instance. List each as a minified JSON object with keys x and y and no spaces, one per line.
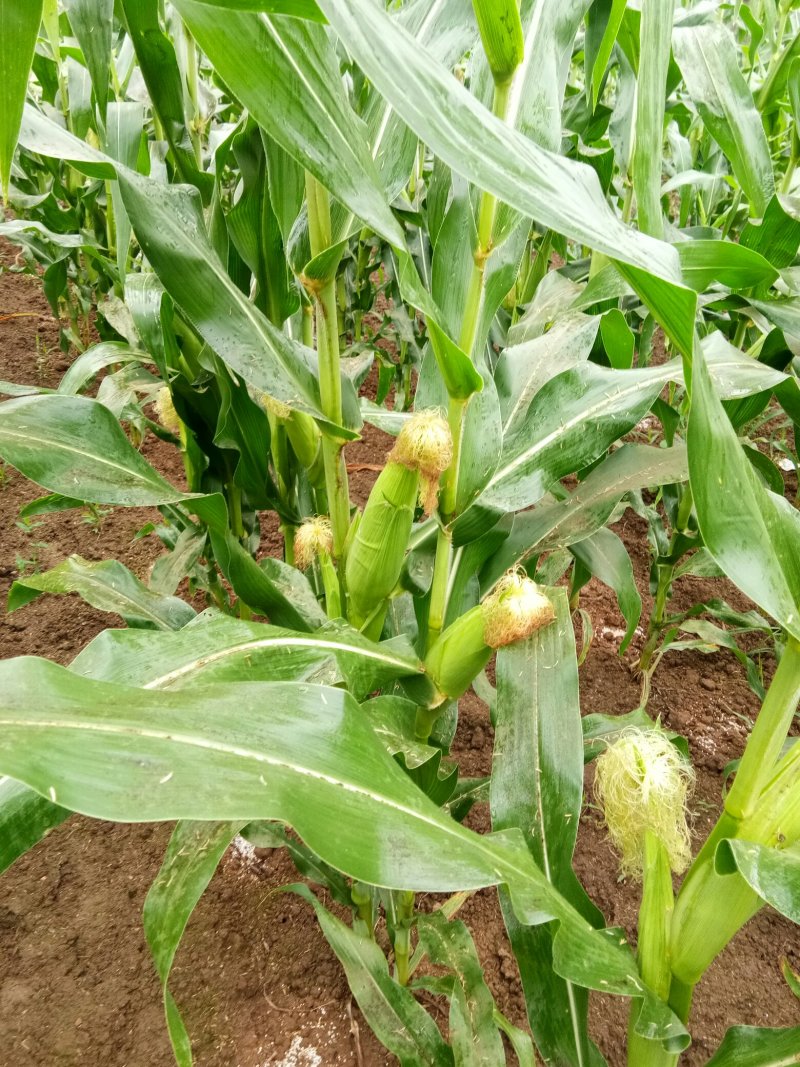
{"x":240,"y":171}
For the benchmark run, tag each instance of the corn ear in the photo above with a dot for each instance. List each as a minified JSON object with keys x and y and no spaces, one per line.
{"x":375,"y":558}
{"x":458,"y":656}
{"x":501,"y":33}
{"x":305,"y":437}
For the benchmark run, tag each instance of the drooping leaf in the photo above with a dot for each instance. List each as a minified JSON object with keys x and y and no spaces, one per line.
{"x":559,"y":193}
{"x":395,"y":1017}
{"x":107,"y":586}
{"x":25,"y":818}
{"x":213,"y":754}
{"x":757,"y":1046}
{"x":192,"y":857}
{"x":773,"y":873}
{"x":473,"y":1032}
{"x":604,"y":555}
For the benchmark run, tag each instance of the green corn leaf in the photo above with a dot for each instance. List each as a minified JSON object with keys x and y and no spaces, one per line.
{"x":558,"y":192}
{"x":123,"y":136}
{"x":756,"y":1046}
{"x":192,"y":857}
{"x":655,"y":31}
{"x":107,"y":586}
{"x":395,"y":1017}
{"x":89,"y":363}
{"x":733,"y":264}
{"x":270,"y":587}
{"x":73,"y":445}
{"x":777,"y":235}
{"x":25,"y":818}
{"x":604,"y":556}
{"x":313,"y":762}
{"x":155,"y":54}
{"x":19,"y":29}
{"x":773,"y":873}
{"x":501,"y":34}
{"x":753,"y":534}
{"x":169,"y":226}
{"x":92,"y":23}
{"x":603,"y":21}
{"x":221,"y":649}
{"x":301,"y":9}
{"x":537,"y":786}
{"x":286,"y":73}
{"x":473,"y":1032}
{"x":556,"y":524}
{"x":709,"y":63}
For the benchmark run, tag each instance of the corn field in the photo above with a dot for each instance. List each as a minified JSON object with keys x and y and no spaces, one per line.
{"x":551,"y":248}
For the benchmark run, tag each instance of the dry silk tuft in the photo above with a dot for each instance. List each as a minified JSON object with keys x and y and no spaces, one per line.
{"x":425,"y":444}
{"x":642,"y":783}
{"x":514,"y":610}
{"x":165,"y":409}
{"x":311,"y":540}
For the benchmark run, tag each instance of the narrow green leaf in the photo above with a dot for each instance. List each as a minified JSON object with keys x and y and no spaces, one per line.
{"x":395,"y":1017}
{"x":728,"y":262}
{"x":89,"y":363}
{"x":19,"y":30}
{"x":301,"y":9}
{"x":605,"y":556}
{"x":602,"y":26}
{"x":753,"y":534}
{"x":123,"y":136}
{"x":155,"y":54}
{"x":755,"y":1046}
{"x":709,"y":63}
{"x":25,"y":818}
{"x":655,"y":31}
{"x":474,"y":1035}
{"x":107,"y":586}
{"x":192,"y":857}
{"x":537,"y":786}
{"x":92,"y":23}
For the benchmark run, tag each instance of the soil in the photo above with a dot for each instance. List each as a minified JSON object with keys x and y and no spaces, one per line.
{"x":254,"y":977}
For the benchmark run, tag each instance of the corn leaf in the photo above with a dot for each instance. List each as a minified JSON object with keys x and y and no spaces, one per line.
{"x":92,"y":23}
{"x":397,"y":1020}
{"x":221,"y":649}
{"x":557,"y":192}
{"x":107,"y":586}
{"x":655,"y":30}
{"x":537,"y":786}
{"x":707,"y":57}
{"x":772,"y":872}
{"x":738,"y":517}
{"x":19,"y":29}
{"x":604,"y":556}
{"x":117,"y":752}
{"x":192,"y":857}
{"x":25,"y":818}
{"x":757,"y":1046}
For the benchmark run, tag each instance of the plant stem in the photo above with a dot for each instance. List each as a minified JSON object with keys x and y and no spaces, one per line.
{"x":402,"y":935}
{"x":456,"y":409}
{"x":330,"y":381}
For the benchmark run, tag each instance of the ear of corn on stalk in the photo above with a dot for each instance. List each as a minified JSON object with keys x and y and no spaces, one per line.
{"x":501,"y":34}
{"x":421,"y":453}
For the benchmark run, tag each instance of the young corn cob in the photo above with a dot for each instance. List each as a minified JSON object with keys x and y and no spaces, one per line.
{"x":501,"y":33}
{"x":423,"y":450}
{"x":513,"y":610}
{"x":165,"y":409}
{"x":313,"y":543}
{"x":642,"y":783}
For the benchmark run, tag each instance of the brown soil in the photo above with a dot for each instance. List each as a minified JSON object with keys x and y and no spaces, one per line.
{"x":255,"y":979}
